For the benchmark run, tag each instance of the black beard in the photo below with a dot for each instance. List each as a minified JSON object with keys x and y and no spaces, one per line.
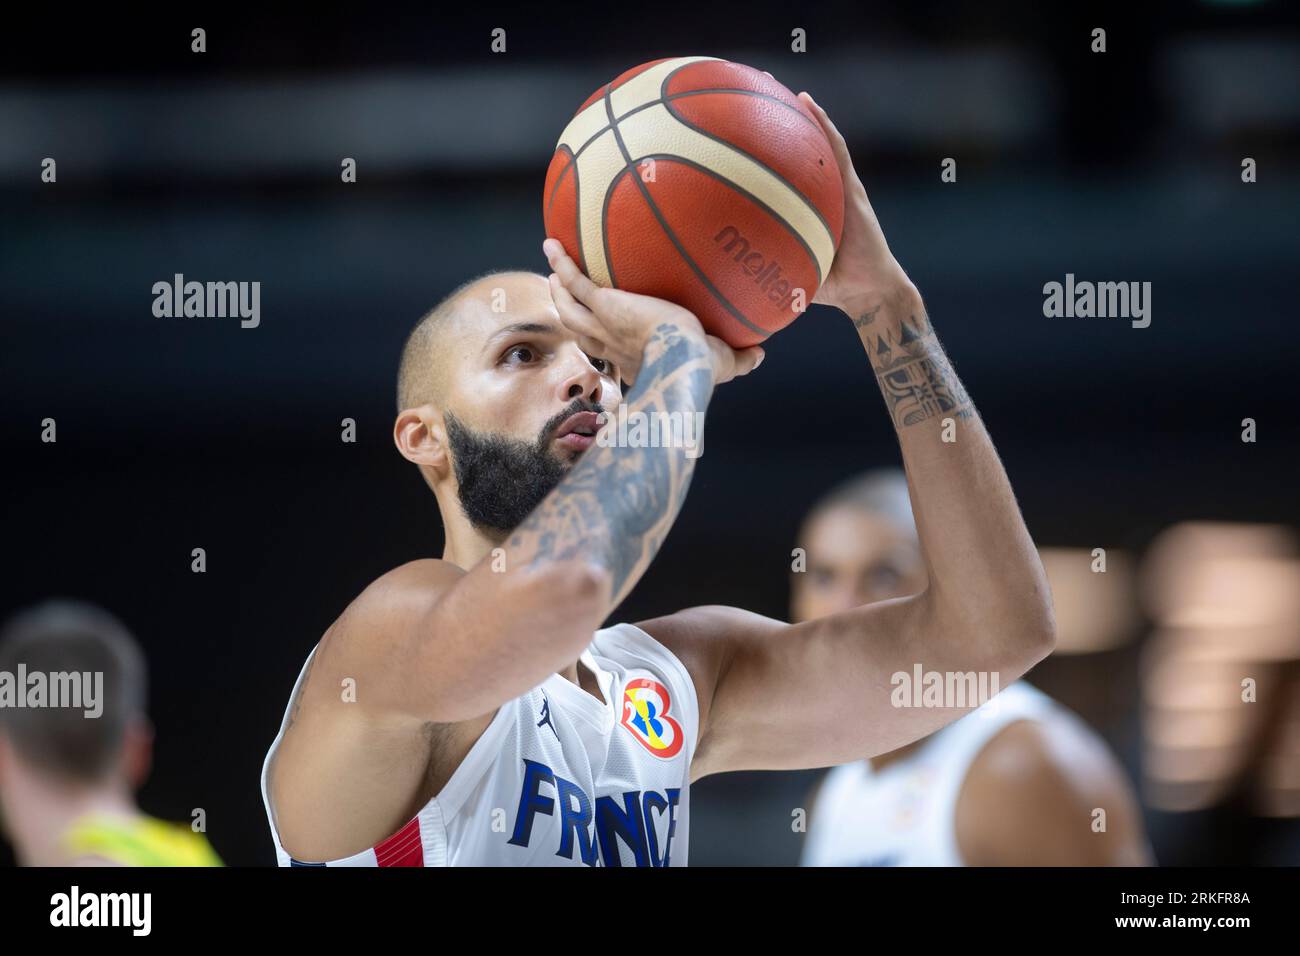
{"x":501,"y":480}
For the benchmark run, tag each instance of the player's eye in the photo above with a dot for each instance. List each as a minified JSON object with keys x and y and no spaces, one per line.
{"x":885,"y":577}
{"x":821,"y":577}
{"x":520,"y":355}
{"x":603,"y":366}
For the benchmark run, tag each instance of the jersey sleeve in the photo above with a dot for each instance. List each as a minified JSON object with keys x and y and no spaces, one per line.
{"x":659,"y":659}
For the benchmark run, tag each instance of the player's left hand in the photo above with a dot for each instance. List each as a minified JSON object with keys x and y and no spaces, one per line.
{"x":864,"y":273}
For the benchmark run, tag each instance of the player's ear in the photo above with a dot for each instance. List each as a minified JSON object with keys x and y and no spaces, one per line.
{"x":421,"y":436}
{"x":137,"y":752}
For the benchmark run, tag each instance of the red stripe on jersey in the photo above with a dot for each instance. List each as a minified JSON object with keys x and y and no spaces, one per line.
{"x":403,"y":848}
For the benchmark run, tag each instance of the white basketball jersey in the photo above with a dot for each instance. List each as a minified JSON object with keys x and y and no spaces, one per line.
{"x":560,"y":778}
{"x":905,"y":814}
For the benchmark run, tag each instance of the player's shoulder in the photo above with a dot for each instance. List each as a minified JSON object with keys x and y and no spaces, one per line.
{"x":408,"y":586}
{"x":707,"y":624}
{"x":1036,"y":772}
{"x":392,"y":601}
{"x":702,"y":636}
{"x":1031,"y":795}
{"x":421,"y":573}
{"x":1049,"y":751}
{"x":1021,"y":753}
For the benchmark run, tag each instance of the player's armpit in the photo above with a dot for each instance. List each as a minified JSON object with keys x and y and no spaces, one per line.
{"x":1049,"y":794}
{"x":776,"y":696}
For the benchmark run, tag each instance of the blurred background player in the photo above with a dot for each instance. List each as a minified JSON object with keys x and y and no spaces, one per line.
{"x":68,"y":779}
{"x":1016,"y":783}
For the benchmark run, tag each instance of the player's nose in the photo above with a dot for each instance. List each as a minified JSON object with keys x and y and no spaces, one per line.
{"x":578,"y":377}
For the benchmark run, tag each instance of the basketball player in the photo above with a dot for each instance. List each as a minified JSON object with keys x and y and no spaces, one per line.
{"x":69,"y":768}
{"x":471,"y":710}
{"x":1016,"y":783}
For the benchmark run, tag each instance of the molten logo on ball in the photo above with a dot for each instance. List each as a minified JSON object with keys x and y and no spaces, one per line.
{"x":755,"y":264}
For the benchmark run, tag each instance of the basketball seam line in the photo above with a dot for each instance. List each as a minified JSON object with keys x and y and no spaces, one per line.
{"x":630,"y":167}
{"x":577,"y":209}
{"x":604,"y":205}
{"x":661,"y":100}
{"x":789,"y":185}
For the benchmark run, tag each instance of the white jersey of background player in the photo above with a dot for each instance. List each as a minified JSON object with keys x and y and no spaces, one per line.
{"x":1017,"y":782}
{"x":459,"y":710}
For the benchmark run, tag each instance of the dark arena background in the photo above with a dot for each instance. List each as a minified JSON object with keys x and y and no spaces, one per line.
{"x":175,"y":434}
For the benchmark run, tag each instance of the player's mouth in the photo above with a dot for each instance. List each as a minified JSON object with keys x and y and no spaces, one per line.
{"x":578,"y":433}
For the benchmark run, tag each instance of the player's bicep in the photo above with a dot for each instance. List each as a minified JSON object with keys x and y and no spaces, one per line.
{"x":442,"y":645}
{"x":840,"y":688}
{"x":793,"y":697}
{"x":771,"y":694}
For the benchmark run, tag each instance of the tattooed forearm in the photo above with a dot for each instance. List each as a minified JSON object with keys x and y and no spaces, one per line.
{"x":618,"y":503}
{"x":866,"y":318}
{"x":914,"y":375}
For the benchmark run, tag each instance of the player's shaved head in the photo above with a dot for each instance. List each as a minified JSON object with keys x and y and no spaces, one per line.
{"x":422,"y":375}
{"x":861,"y":546}
{"x":881,"y":492}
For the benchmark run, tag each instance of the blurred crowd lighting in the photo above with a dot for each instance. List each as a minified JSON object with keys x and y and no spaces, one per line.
{"x":1095,"y":610}
{"x":1219,"y":675}
{"x":1279,"y":784}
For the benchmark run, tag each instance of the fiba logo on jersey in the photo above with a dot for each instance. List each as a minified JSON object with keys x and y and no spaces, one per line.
{"x":645,"y":715}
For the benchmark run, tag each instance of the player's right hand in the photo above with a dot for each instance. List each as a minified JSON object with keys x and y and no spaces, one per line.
{"x":617,"y":325}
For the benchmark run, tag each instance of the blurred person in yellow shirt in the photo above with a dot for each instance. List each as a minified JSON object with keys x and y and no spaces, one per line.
{"x":76,"y":743}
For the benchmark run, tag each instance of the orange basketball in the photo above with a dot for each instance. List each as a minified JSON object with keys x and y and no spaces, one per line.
{"x":703,"y":182}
